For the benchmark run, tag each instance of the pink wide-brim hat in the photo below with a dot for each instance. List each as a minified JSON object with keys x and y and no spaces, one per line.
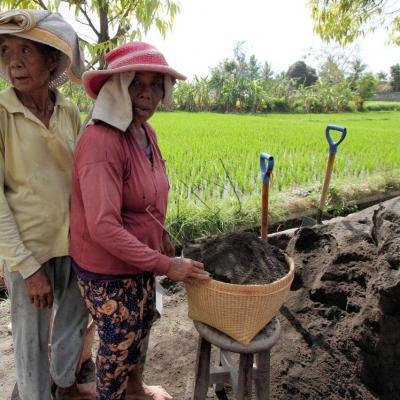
{"x":135,"y":56}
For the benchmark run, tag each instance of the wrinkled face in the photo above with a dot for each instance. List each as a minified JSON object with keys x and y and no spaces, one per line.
{"x":146,"y":91}
{"x":28,"y":68}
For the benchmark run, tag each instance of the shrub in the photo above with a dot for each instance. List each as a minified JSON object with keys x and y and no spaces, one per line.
{"x":382,"y":106}
{"x":279,"y":104}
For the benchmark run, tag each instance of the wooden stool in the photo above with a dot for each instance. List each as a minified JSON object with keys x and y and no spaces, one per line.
{"x":240,"y":376}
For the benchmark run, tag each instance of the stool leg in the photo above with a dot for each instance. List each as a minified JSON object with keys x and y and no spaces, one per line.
{"x":202,"y":370}
{"x":244,"y":377}
{"x":219,"y":387}
{"x":262,"y":376}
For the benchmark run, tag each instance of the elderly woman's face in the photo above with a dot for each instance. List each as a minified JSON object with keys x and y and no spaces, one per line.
{"x":146,"y":91}
{"x":28,"y":68}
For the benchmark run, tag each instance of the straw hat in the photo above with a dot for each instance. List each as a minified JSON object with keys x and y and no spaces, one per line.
{"x":130,"y":57}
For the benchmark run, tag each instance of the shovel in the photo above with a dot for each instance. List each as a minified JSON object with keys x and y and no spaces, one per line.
{"x":328,"y":173}
{"x":266,"y":171}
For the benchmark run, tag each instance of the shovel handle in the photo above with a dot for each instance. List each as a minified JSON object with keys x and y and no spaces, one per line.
{"x":264,"y":215}
{"x":327,"y":179}
{"x":331,"y":158}
{"x":266,"y":171}
{"x":332,"y":144}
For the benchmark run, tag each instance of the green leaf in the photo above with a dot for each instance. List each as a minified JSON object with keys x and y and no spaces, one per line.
{"x":139,"y":16}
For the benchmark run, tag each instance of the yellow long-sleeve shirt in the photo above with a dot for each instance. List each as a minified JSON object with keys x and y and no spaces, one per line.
{"x":35,"y":178}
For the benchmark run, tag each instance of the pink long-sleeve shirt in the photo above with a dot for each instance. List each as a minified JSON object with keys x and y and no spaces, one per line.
{"x":113,"y":184}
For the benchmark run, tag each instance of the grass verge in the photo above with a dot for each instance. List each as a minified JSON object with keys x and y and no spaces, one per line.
{"x":231,"y":214}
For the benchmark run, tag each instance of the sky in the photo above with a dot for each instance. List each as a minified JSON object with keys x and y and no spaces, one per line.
{"x":279,"y":32}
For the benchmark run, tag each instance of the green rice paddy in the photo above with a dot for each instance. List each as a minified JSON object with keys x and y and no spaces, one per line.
{"x":213,"y":159}
{"x":196,"y":146}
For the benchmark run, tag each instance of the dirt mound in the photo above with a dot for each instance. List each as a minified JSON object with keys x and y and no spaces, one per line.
{"x":341,"y":324}
{"x":345,"y":309}
{"x":241,"y":258}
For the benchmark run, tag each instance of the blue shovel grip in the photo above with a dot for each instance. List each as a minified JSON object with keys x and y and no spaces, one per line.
{"x":266,"y":170}
{"x":334,"y":145}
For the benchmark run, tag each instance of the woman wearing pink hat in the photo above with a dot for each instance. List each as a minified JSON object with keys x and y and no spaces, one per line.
{"x":118,"y":208}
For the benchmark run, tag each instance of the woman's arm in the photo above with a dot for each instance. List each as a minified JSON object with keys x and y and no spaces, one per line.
{"x":12,"y":248}
{"x":16,"y":256}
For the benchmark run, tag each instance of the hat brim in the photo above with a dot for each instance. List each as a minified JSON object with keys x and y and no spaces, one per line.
{"x":94,"y":80}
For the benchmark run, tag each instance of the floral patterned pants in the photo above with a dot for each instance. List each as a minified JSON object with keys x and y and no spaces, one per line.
{"x":123,"y":311}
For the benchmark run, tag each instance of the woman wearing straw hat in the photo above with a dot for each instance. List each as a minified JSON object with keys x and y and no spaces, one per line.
{"x":38,"y":126}
{"x":119,"y":201}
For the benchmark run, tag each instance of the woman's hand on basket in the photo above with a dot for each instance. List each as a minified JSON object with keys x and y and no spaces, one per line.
{"x":185,"y":269}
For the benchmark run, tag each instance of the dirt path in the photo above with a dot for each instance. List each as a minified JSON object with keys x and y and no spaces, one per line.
{"x":340,"y":326}
{"x":7,"y":374}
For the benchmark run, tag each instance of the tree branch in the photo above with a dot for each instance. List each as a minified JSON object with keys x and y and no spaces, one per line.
{"x":89,"y":63}
{"x":122,"y":29}
{"x":83,"y":11}
{"x":116,"y":16}
{"x":82,"y":23}
{"x":103,"y":18}
{"x":41,"y":4}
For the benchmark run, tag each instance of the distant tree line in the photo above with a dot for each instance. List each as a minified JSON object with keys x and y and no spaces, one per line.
{"x":243,"y":84}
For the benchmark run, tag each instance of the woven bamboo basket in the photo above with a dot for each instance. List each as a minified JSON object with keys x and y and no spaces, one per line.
{"x":239,"y":311}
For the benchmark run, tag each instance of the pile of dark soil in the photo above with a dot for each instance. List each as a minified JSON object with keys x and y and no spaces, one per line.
{"x":341,"y":324}
{"x":240,"y":258}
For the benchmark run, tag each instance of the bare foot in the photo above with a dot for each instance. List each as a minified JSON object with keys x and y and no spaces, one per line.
{"x":83,"y":391}
{"x":137,"y":390}
{"x":149,"y":393}
{"x":156,"y":392}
